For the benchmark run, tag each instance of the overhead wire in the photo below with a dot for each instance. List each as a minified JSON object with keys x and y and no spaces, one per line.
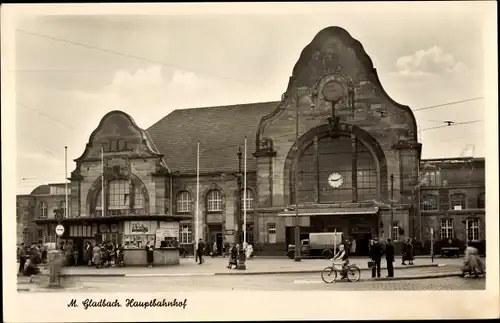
{"x":109,"y":51}
{"x":452,"y":125}
{"x":39,"y":142}
{"x":446,"y":104}
{"x":195,"y":71}
{"x":45,"y":115}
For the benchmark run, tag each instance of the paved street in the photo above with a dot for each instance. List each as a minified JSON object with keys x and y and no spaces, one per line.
{"x":292,"y":282}
{"x":299,"y":281}
{"x":218,"y":265}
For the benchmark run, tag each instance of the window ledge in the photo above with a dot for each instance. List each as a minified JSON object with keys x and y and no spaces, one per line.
{"x":214,"y":212}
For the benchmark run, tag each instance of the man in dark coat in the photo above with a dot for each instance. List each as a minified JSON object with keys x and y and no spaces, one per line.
{"x":389,"y":257}
{"x":376,"y":256}
{"x":21,"y":251}
{"x":199,"y":251}
{"x":150,"y":254}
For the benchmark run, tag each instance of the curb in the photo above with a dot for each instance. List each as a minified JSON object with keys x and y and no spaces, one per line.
{"x":312,"y":271}
{"x":411,"y":277}
{"x":234,"y":273}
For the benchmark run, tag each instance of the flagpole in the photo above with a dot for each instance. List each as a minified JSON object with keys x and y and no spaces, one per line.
{"x":245,"y":196}
{"x":102,"y":183}
{"x":66,"y":179}
{"x":197,"y":193}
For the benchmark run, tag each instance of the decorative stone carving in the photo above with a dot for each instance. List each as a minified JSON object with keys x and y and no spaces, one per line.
{"x":116,"y":167}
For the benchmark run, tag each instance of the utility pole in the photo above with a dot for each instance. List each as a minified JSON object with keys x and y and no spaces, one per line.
{"x":298,"y":245}
{"x":241,"y":256}
{"x":392,"y":207}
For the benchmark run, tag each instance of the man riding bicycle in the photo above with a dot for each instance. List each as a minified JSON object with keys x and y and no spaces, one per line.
{"x":344,"y":256}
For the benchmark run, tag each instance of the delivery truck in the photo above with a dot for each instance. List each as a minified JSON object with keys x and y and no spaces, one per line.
{"x":319,"y":245}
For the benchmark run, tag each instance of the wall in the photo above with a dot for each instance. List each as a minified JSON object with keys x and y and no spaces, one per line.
{"x":227,"y":184}
{"x":26,"y":230}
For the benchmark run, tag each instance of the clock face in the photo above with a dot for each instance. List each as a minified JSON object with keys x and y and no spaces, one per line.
{"x":333,"y":91}
{"x":335,"y":180}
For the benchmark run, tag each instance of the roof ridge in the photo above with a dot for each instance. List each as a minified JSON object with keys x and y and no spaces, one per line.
{"x":213,"y":107}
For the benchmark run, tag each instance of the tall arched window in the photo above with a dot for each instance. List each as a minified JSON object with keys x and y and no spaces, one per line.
{"x":249,"y":199}
{"x":458,"y":201}
{"x":481,"y":203}
{"x":183,"y":201}
{"x":429,"y":203}
{"x":214,"y":201}
{"x":43,"y":209}
{"x":118,"y":201}
{"x":328,"y":167}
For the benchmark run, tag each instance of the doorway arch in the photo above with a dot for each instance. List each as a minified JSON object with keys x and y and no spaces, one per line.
{"x":363,"y":140}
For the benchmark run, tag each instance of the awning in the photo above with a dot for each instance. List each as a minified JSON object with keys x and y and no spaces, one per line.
{"x":330,"y":211}
{"x":136,"y":217}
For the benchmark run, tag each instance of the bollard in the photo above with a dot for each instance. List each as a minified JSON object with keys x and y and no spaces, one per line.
{"x":55,"y":264}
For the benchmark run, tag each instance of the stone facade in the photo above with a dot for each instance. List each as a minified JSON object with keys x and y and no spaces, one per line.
{"x":441,"y":180}
{"x":39,"y":206}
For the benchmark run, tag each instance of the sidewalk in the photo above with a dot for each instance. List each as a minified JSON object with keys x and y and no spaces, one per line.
{"x":217,"y":266}
{"x":74,"y":283}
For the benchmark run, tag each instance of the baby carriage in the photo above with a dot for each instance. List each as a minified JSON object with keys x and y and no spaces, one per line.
{"x":472,"y":265}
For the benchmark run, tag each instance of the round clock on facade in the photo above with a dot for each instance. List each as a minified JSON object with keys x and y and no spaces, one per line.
{"x":333,"y":91}
{"x":335,"y":180}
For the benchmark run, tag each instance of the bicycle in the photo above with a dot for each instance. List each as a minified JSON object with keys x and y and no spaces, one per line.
{"x":353,"y":273}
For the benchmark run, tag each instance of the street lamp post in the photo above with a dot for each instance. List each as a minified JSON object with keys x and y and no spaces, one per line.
{"x":391,"y":233}
{"x":241,"y":256}
{"x":298,"y":245}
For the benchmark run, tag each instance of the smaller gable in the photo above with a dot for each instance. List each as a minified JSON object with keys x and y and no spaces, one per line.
{"x":118,"y":132}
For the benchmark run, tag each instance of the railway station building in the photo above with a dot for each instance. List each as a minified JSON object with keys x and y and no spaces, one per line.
{"x":335,"y":147}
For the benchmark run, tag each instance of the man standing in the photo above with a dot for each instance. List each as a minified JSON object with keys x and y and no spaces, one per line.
{"x":376,"y":255}
{"x":21,"y":251}
{"x":389,"y":257}
{"x":199,"y":251}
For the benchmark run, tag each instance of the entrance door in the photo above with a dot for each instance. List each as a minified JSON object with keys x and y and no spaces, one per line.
{"x":216,"y":238}
{"x":78,"y":245}
{"x":362,"y":243}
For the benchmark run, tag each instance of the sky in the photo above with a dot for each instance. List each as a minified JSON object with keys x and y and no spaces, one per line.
{"x":71,"y":70}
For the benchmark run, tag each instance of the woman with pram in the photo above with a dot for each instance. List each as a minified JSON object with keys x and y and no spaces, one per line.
{"x":233,"y":257}
{"x":472,"y":264}
{"x":32,"y":261}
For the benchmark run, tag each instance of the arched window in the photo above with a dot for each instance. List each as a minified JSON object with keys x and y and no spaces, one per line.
{"x":118,"y":195}
{"x":248,"y":201}
{"x":326,"y":172}
{"x":429,"y":203}
{"x":458,"y":202}
{"x":184,"y":202}
{"x":481,"y":203}
{"x":119,"y":201}
{"x":214,"y":201}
